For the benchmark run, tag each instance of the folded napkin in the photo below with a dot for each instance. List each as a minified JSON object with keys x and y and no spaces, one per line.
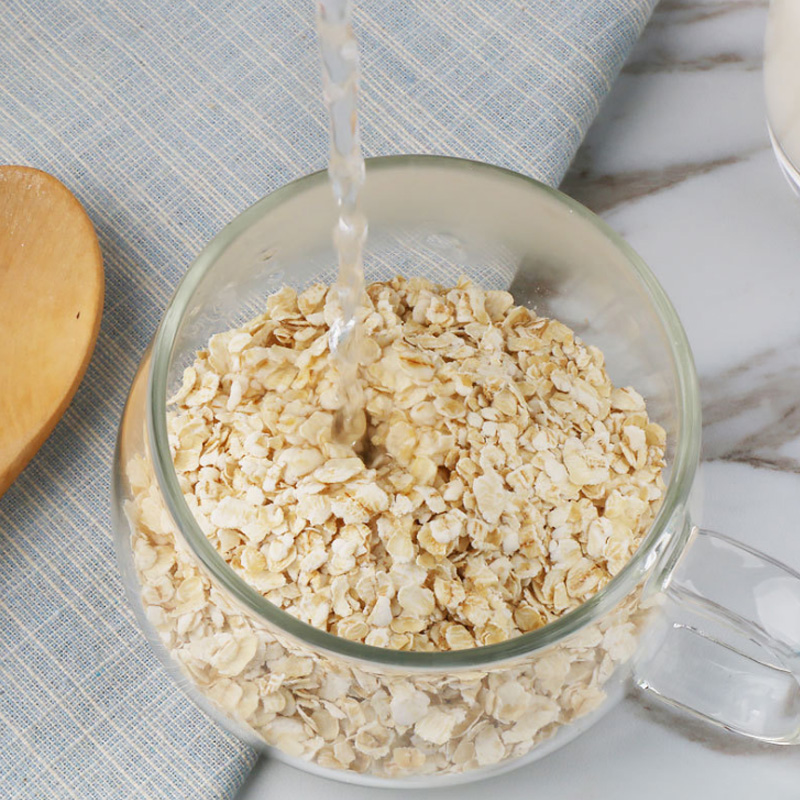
{"x":166,"y":119}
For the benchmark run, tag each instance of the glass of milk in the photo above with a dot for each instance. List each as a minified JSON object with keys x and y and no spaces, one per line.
{"x":782,"y":85}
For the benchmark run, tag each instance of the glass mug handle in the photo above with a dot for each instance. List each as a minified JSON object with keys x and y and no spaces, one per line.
{"x":728,"y":647}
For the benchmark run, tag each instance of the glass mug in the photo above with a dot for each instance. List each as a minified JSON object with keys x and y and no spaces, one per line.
{"x":686,"y":617}
{"x":782,"y":85}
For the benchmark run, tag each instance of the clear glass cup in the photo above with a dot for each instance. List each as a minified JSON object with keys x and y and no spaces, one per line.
{"x":782,"y":85}
{"x":686,"y":617}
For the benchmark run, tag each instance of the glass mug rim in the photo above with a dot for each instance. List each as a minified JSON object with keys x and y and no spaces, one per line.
{"x":687,"y":448}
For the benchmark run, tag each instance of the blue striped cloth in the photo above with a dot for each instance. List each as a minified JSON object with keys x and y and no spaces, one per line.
{"x":166,"y":119}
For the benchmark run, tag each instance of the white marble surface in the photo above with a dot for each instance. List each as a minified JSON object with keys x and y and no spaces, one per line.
{"x":679,"y":162}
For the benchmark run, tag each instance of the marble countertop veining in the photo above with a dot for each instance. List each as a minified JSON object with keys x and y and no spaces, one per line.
{"x":679,"y":162}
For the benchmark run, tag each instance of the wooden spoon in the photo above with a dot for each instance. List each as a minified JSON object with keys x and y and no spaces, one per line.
{"x":51,"y":299}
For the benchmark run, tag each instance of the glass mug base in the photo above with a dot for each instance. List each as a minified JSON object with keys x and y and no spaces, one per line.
{"x":563,"y":737}
{"x":343,"y":709}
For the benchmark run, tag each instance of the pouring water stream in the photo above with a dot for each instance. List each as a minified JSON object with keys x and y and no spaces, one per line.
{"x":340,"y":76}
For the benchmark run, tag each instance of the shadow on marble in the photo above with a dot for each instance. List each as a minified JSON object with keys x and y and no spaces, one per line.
{"x":687,"y":727}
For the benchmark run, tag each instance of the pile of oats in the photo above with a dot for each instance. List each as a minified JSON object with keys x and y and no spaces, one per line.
{"x":502,"y":482}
